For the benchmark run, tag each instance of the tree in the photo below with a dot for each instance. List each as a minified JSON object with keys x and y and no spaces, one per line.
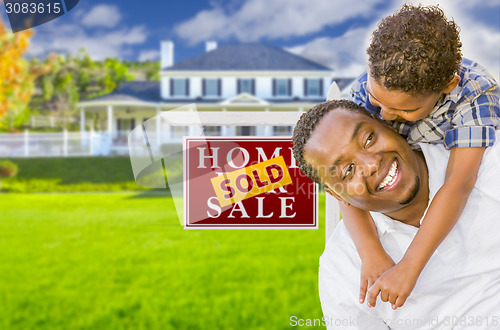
{"x":16,"y":79}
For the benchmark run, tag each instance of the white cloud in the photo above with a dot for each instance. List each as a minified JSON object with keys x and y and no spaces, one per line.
{"x":102,"y":15}
{"x":346,"y":54}
{"x":271,"y":19}
{"x":101,"y":43}
{"x":149,"y":55}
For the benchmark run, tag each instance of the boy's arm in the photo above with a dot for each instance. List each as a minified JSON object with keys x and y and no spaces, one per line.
{"x":375,"y":261}
{"x":396,"y":284}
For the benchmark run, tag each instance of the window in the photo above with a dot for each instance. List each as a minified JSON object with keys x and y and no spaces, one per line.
{"x":313,"y":87}
{"x":282,"y":130}
{"x":212,"y":130}
{"x":246,"y":86}
{"x":211,"y":87}
{"x":179,"y":87}
{"x":123,"y":126}
{"x":245,"y":130}
{"x":178,"y":132}
{"x":282,"y":87}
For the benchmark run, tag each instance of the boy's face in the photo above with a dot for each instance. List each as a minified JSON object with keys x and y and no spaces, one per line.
{"x":400,"y":106}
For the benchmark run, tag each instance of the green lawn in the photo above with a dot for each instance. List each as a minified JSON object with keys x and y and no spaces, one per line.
{"x":122,"y":261}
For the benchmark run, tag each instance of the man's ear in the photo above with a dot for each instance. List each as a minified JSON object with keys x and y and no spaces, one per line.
{"x":451,"y":85}
{"x":330,"y":192}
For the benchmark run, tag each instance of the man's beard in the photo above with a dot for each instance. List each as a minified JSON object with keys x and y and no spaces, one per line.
{"x":413,"y":192}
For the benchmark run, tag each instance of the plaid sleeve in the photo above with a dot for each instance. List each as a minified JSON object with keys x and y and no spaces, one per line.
{"x":475,"y":120}
{"x":358,"y":90}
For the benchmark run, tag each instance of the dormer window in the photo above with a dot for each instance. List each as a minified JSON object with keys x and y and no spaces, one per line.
{"x":313,"y":87}
{"x":179,"y":87}
{"x":246,"y":85}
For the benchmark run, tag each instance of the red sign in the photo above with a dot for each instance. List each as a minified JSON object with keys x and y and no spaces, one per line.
{"x":250,"y":183}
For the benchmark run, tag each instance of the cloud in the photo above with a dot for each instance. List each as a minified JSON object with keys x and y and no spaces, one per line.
{"x":100,"y":43}
{"x":270,"y":19}
{"x":149,"y":55}
{"x":102,"y":16}
{"x":347,"y":53}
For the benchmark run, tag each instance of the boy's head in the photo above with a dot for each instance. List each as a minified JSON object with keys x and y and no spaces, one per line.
{"x":413,"y":59}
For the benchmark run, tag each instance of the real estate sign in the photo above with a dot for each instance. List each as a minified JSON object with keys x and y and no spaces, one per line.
{"x":246,"y":183}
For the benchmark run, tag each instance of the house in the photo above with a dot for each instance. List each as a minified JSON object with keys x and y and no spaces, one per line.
{"x":233,"y":77}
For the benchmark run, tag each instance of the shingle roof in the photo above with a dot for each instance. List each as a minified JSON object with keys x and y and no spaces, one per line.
{"x":143,"y":91}
{"x":247,"y":57}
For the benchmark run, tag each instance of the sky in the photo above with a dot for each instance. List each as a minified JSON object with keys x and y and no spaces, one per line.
{"x":334,"y":33}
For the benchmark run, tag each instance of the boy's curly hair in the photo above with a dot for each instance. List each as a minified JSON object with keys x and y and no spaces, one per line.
{"x":306,"y":125}
{"x":416,"y":50}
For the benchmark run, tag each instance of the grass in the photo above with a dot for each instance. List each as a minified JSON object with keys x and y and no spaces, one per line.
{"x":122,"y":261}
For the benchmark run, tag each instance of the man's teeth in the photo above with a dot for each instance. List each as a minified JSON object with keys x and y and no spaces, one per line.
{"x":391,"y":176}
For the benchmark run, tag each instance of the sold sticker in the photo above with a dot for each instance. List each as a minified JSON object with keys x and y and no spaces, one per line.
{"x":251,"y":181}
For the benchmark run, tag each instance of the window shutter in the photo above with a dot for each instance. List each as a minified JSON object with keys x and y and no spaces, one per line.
{"x":321,"y":87}
{"x":132,"y":124}
{"x":187,"y":87}
{"x":305,"y":86}
{"x":274,"y":86}
{"x":118,"y":124}
{"x":253,"y":86}
{"x":204,"y":87}
{"x":219,"y":87}
{"x":289,"y":87}
{"x":238,"y":86}
{"x":171,"y":86}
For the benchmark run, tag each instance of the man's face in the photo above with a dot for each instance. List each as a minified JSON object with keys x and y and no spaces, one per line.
{"x":400,"y":106}
{"x":363,"y":161}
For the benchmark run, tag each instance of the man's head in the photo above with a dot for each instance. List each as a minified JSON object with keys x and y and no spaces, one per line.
{"x":413,"y":59}
{"x":357,"y":158}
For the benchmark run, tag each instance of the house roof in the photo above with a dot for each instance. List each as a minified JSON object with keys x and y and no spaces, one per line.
{"x":247,"y":57}
{"x":142,"y":91}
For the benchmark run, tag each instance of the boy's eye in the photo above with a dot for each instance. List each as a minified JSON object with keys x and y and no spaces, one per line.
{"x":348,"y":171}
{"x":368,"y":140}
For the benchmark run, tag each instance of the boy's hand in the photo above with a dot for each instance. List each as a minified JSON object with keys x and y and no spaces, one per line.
{"x":394,"y":286}
{"x":372,"y":267}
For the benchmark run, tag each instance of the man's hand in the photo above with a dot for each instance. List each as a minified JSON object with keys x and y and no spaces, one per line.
{"x":394,"y":286}
{"x":372,"y":267}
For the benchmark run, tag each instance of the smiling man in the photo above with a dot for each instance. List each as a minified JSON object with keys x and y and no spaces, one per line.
{"x":362,"y":162}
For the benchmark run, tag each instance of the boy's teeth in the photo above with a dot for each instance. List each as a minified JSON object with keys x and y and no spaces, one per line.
{"x":391,"y":176}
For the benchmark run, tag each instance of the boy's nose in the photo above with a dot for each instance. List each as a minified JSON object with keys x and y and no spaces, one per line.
{"x":387,"y":115}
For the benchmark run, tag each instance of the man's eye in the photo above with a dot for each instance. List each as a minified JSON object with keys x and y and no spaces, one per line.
{"x":368,"y":140}
{"x":348,"y":171}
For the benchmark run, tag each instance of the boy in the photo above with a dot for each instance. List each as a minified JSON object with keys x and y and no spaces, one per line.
{"x":418,"y":82}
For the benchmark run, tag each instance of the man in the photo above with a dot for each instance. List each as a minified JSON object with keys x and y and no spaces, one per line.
{"x":362,"y":162}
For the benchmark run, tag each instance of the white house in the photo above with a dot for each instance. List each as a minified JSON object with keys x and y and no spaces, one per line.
{"x":233,"y":77}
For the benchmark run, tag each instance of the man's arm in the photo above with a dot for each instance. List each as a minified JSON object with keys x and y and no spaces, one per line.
{"x":396,"y":284}
{"x":375,"y":261}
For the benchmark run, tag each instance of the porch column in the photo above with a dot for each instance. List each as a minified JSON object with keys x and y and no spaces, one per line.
{"x":268,"y":130}
{"x":110,"y":119}
{"x":224,"y":129}
{"x":82,"y":120}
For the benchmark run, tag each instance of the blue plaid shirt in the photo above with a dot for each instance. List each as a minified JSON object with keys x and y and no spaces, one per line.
{"x":465,"y":117}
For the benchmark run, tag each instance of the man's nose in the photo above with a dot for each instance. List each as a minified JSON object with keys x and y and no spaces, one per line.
{"x":387,"y":114}
{"x":370,"y":162}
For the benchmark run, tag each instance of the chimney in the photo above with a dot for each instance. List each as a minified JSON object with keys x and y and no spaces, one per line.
{"x":210,"y":45}
{"x":167,"y":54}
